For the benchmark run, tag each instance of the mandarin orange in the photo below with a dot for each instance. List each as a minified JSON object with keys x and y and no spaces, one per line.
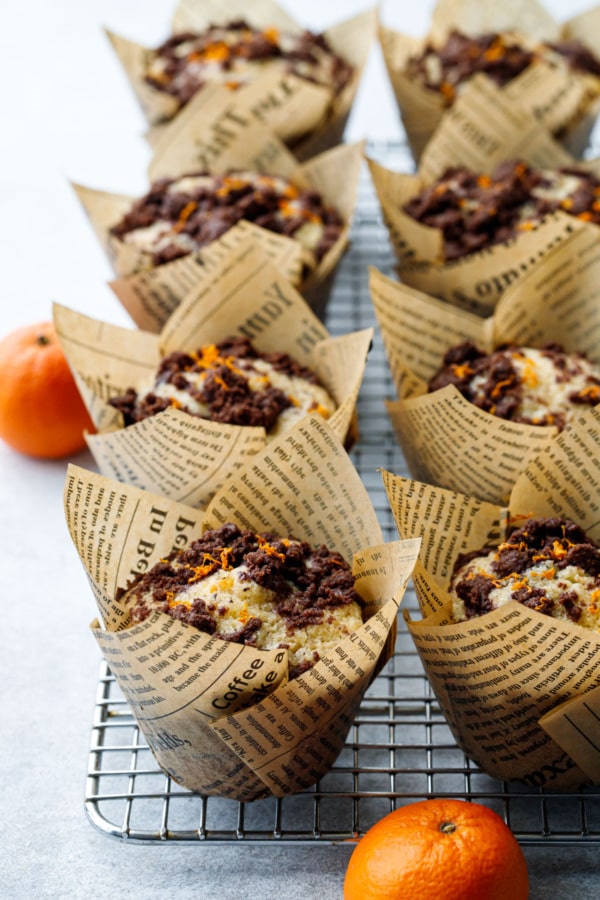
{"x":438,"y":850}
{"x":41,"y":411}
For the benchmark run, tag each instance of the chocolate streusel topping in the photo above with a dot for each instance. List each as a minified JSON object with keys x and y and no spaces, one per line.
{"x":195,"y":209}
{"x":539,"y":551}
{"x":308,"y":582}
{"x":500,"y":57}
{"x":508,"y":381}
{"x":460,"y":57}
{"x":187,"y":61}
{"x":225,"y":392}
{"x":476,"y":211}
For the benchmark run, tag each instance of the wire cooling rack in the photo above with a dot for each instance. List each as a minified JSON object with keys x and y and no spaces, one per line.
{"x":399,"y":748}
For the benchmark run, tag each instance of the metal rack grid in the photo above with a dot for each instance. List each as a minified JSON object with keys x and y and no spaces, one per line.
{"x":399,"y":748}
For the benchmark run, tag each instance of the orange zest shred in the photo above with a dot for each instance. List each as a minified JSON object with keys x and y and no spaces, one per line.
{"x":585,"y":216}
{"x":529,"y":374}
{"x":518,"y":584}
{"x":221,"y":383}
{"x":208,"y":565}
{"x":506,"y":382}
{"x":216,"y":52}
{"x":559,"y":550}
{"x":495,"y":51}
{"x":269,"y":548}
{"x":184,"y":215}
{"x":175,"y":600}
{"x":484,"y":181}
{"x":225,"y":558}
{"x":320,"y":410}
{"x":462,"y":370}
{"x":592,"y":391}
{"x":447,"y":90}
{"x":271,"y":35}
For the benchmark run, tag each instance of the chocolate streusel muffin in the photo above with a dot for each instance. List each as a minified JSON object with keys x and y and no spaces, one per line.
{"x":548,"y":565}
{"x":181,"y":215}
{"x":230,"y":382}
{"x":235,"y":53}
{"x":475,"y":211}
{"x":255,"y":589}
{"x":543,"y":386}
{"x":501,"y":57}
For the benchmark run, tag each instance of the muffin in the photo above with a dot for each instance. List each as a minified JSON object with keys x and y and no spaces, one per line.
{"x":543,"y":386}
{"x":230,"y":382}
{"x":475,"y":211}
{"x":502,"y":57}
{"x":548,"y":565}
{"x":233,"y":54}
{"x":255,"y":589}
{"x":179,"y":216}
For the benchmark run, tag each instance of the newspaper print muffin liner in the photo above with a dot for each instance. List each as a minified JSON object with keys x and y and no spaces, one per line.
{"x":221,"y":718}
{"x":479,"y":132}
{"x":519,"y":690}
{"x":446,"y":439}
{"x":310,"y":118}
{"x":564,"y":102}
{"x":176,"y":454}
{"x":151,"y":296}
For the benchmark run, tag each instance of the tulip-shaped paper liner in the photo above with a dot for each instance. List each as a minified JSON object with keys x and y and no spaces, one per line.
{"x":151,"y":294}
{"x":308,"y":116}
{"x":446,"y":439}
{"x":174,"y":453}
{"x":221,"y":718}
{"x":481,"y":130}
{"x":519,"y":689}
{"x":562,"y":101}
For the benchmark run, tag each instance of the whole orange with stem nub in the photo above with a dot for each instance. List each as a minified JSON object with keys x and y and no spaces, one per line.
{"x":438,"y":850}
{"x":41,"y":411}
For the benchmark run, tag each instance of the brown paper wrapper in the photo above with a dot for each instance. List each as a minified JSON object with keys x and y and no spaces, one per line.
{"x":447,"y":440}
{"x":151,"y":295}
{"x":470,"y":136}
{"x":181,"y":456}
{"x":563,"y":102}
{"x":221,"y":718}
{"x":519,"y":689}
{"x":309,"y":118}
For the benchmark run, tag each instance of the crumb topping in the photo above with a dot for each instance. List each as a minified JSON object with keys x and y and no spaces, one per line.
{"x":548,"y":565}
{"x":446,"y":68}
{"x":181,"y":215}
{"x":229,"y":382}
{"x":255,"y":589}
{"x":476,"y":211}
{"x":545,"y":386}
{"x":233,"y":55}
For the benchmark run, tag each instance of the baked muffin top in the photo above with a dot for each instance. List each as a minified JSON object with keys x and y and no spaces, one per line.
{"x":543,"y":386}
{"x":549,"y":565}
{"x":475,"y":211}
{"x":445,"y":68}
{"x":256,"y":589}
{"x":181,"y":215}
{"x":233,"y":54}
{"x":229,"y":382}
